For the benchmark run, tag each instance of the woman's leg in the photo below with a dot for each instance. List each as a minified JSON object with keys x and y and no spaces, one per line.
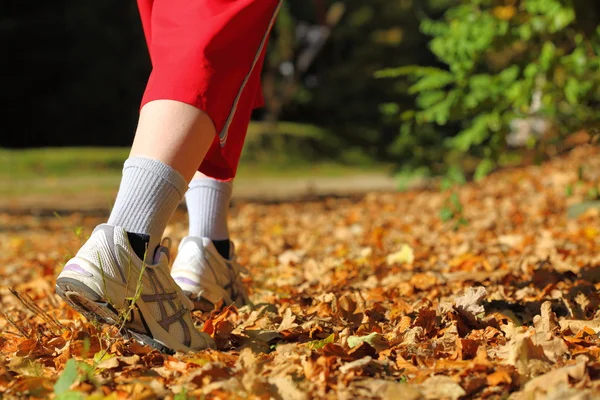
{"x":204,"y":55}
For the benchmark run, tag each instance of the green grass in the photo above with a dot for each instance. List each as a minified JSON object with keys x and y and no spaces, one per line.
{"x":51,"y":164}
{"x":71,"y":162}
{"x":97,"y":171}
{"x":61,"y":162}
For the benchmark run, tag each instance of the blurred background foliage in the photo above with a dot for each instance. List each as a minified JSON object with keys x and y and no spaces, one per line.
{"x":428,"y":85}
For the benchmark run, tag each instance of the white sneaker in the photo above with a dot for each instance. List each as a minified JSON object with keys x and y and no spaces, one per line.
{"x":108,"y":282}
{"x":206,"y":276}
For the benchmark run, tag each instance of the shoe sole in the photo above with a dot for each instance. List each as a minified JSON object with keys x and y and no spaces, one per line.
{"x":90,"y":304}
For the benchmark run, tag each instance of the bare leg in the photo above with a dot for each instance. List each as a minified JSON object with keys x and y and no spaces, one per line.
{"x":175,"y":134}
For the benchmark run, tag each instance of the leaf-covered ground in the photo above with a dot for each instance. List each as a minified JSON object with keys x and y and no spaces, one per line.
{"x":353,"y":298}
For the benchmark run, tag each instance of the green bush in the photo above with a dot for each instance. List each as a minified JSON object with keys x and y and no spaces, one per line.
{"x":500,"y":62}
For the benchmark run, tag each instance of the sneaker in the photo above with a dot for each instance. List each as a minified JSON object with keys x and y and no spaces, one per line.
{"x":206,"y":277}
{"x":108,"y":282}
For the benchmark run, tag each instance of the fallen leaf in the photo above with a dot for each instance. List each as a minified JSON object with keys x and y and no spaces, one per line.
{"x":357,"y":364}
{"x":109,"y":363}
{"x":441,"y":387}
{"x":318,"y":344}
{"x":374,"y":339}
{"x":547,"y":382}
{"x":577,"y":325}
{"x":545,"y":325}
{"x":405,"y":255}
{"x":262,"y":335}
{"x":287,"y":388}
{"x":469,"y":303}
{"x":499,"y":377}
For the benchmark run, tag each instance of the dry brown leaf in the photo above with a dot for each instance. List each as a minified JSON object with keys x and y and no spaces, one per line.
{"x":109,"y":363}
{"x":577,"y":325}
{"x":547,"y":382}
{"x":287,"y":388}
{"x":288,"y":321}
{"x":469,"y":303}
{"x":499,"y":377}
{"x":521,"y":350}
{"x":405,"y":391}
{"x":441,"y":387}
{"x":545,"y":325}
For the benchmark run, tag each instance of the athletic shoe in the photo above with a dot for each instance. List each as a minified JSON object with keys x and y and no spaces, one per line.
{"x":206,"y":277}
{"x":108,"y":282}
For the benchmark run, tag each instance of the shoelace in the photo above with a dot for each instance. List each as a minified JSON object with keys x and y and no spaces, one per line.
{"x":165,"y":247}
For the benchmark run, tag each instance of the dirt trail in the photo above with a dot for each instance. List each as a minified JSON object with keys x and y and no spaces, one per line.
{"x":98,"y":200}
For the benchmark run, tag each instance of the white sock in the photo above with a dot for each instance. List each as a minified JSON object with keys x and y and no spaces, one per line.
{"x":149,"y":194}
{"x":207,"y":201}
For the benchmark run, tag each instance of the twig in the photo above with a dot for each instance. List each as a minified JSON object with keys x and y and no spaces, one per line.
{"x":17,"y":327}
{"x":34,"y":308}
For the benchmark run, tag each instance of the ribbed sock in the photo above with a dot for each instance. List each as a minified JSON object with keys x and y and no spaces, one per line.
{"x":149,"y":194}
{"x":207,"y":202}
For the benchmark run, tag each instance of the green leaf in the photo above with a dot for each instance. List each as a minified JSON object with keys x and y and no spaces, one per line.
{"x":572,"y":91}
{"x":525,"y":31}
{"x":455,"y":201}
{"x":476,"y":134}
{"x":389,"y":109}
{"x":428,"y":99}
{"x":66,"y":378}
{"x":70,"y":395}
{"x":433,"y":81}
{"x":412,"y":70}
{"x":546,"y":56}
{"x":446,"y":214}
{"x":101,"y":356}
{"x":480,"y":81}
{"x":569,"y":191}
{"x":562,"y":19}
{"x":484,"y":167}
{"x":508,"y":75}
{"x":456,"y":175}
{"x":318,"y":344}
{"x":462,"y":221}
{"x":531,"y":70}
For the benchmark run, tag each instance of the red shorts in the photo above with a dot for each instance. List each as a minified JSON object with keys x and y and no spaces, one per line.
{"x":209,"y":54}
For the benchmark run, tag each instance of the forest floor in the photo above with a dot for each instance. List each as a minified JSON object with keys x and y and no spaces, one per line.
{"x":372,"y":296}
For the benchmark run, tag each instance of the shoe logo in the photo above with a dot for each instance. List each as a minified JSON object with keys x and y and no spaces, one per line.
{"x":161,"y":296}
{"x":77,"y":268}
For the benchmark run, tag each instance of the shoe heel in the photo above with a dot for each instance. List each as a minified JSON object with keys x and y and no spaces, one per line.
{"x":86,"y":301}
